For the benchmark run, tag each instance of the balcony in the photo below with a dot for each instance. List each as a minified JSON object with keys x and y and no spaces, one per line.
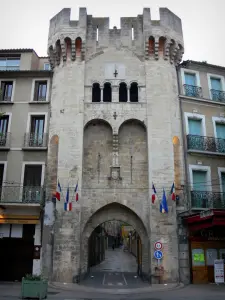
{"x":5,"y":140}
{"x":201,"y":200}
{"x":192,"y":91}
{"x":218,"y":96}
{"x":33,"y":141}
{"x":4,"y":99}
{"x":197,"y":143}
{"x":22,"y":195}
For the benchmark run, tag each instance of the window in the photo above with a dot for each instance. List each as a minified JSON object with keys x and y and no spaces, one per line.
{"x":2,"y":170}
{"x":216,"y":87}
{"x":123,"y":92}
{"x":32,"y":183}
{"x":40,"y":92}
{"x":6,"y":88}
{"x":47,"y":66}
{"x":78,"y":46}
{"x":4,"y":123}
{"x":107,"y":92}
{"x":220,"y":134}
{"x":195,"y":126}
{"x":9,"y":63}
{"x":36,"y":136}
{"x":200,"y":199}
{"x":96,"y":92}
{"x":190,"y":85}
{"x":134,"y":92}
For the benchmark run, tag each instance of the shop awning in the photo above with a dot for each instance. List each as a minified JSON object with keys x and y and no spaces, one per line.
{"x":19,"y":219}
{"x":205,"y":219}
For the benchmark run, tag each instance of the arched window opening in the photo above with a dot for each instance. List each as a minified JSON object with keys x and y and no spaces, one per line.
{"x":78,"y":45}
{"x":58,"y":51}
{"x":151,"y":45}
{"x":134,"y":92}
{"x":107,"y":92}
{"x":97,"y":33}
{"x":68,"y":44}
{"x":123,"y":92}
{"x":96,"y":92}
{"x":162,"y":42}
{"x":132,"y":33}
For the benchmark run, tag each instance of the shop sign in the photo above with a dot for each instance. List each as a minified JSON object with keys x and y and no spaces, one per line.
{"x":219,"y":271}
{"x":206,"y":213}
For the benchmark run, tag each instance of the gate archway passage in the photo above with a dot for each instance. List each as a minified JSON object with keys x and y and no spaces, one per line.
{"x":95,"y":229}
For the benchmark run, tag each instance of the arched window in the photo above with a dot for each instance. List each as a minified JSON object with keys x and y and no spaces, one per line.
{"x":134,"y":92}
{"x":78,"y":46}
{"x":58,"y":51}
{"x":151,"y":45}
{"x":68,"y":44}
{"x":96,"y":92}
{"x":162,"y":42}
{"x":107,"y":92}
{"x":123,"y":92}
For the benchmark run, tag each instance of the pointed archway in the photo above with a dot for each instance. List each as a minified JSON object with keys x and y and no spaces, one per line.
{"x":116,"y":211}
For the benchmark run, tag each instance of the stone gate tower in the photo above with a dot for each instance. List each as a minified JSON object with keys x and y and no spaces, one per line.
{"x":114,"y":113}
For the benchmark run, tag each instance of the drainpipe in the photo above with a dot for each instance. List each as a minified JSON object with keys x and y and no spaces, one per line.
{"x":184,"y":142}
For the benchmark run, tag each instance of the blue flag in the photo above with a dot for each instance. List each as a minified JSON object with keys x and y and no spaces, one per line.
{"x":163,"y":204}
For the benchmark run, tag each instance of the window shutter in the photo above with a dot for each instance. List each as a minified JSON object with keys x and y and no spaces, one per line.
{"x":36,"y":91}
{"x":2,"y":96}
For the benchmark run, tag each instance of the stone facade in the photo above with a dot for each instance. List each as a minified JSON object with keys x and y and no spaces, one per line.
{"x":115,"y":150}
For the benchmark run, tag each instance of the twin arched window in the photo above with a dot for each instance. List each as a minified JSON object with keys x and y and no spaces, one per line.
{"x":125,"y":95}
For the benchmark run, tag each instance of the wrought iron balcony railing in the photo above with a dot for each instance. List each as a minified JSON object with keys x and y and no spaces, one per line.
{"x":40,"y":99}
{"x":205,"y":143}
{"x":5,"y":98}
{"x":200,"y":199}
{"x":22,"y":194}
{"x":5,"y":140}
{"x":192,"y":91}
{"x":218,"y":95}
{"x":33,"y":140}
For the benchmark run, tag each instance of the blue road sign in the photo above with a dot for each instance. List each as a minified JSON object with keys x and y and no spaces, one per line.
{"x":158,"y":254}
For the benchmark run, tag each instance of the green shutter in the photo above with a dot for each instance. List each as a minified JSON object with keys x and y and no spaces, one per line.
{"x":195,"y":127}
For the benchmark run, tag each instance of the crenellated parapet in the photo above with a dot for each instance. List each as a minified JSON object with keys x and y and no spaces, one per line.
{"x":79,"y":40}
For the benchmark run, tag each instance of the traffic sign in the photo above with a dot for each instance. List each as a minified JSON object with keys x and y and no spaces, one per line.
{"x":158,"y":245}
{"x":158,"y":254}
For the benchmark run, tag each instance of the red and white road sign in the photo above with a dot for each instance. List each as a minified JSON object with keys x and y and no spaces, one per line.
{"x":158,"y":245}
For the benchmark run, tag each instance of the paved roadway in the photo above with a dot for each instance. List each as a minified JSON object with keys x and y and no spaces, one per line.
{"x":117,"y":272}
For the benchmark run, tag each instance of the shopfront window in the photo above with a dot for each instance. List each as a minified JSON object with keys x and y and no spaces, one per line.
{"x":211,"y":255}
{"x":198,"y":257}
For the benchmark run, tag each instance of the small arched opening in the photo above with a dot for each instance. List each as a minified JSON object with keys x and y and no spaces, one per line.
{"x":96,"y":92}
{"x":58,"y":51}
{"x":107,"y":92}
{"x":68,"y":46}
{"x":151,"y":45}
{"x":123,"y":92}
{"x":134,"y":92}
{"x":162,"y":42}
{"x":78,"y":46}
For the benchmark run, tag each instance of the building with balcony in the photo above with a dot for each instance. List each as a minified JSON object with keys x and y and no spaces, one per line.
{"x":202,"y":103}
{"x":25,"y":85}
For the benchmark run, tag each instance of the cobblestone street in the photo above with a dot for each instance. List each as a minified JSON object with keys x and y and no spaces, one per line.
{"x":117,"y":261}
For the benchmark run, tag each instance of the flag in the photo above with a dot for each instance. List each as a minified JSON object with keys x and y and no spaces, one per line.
{"x":67,"y":204}
{"x":154,"y":194}
{"x":58,"y":192}
{"x":163,"y":204}
{"x":76,"y":192}
{"x":172,"y":192}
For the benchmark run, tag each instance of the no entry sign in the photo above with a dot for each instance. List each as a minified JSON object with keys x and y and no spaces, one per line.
{"x":158,"y":245}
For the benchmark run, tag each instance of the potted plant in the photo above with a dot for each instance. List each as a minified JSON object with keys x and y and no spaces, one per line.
{"x":34,"y":286}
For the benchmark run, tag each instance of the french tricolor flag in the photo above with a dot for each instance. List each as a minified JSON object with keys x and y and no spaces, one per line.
{"x":58,"y":192}
{"x":172,"y":192}
{"x":68,"y":204}
{"x":76,"y":192}
{"x":154,"y":194}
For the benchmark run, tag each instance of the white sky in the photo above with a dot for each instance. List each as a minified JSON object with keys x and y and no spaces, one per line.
{"x":24,"y":23}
